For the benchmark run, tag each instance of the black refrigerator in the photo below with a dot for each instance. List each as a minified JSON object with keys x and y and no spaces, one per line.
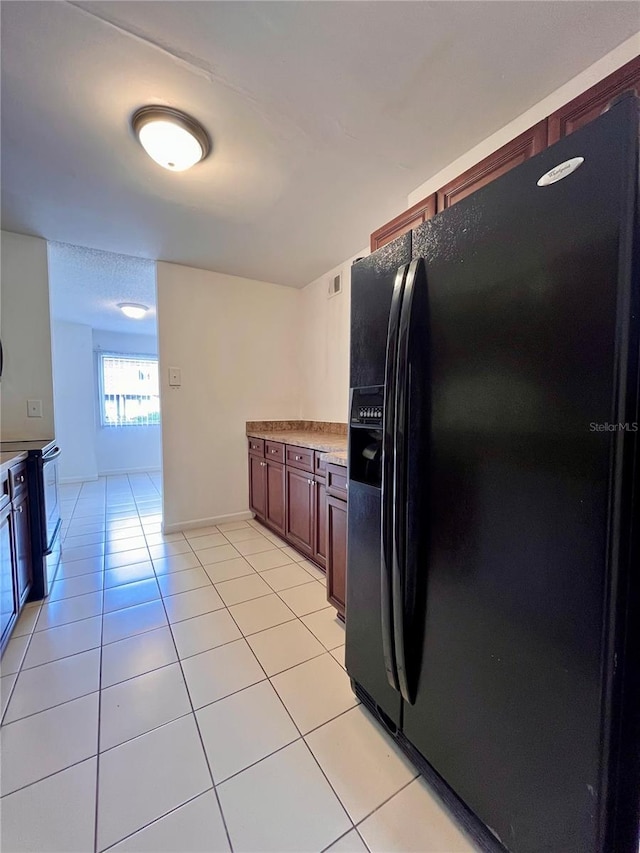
{"x":493,"y":574}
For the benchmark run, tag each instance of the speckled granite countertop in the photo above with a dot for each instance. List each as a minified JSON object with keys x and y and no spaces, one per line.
{"x":323,"y":441}
{"x":336,"y":457}
{"x":9,"y":458}
{"x":328,"y":438}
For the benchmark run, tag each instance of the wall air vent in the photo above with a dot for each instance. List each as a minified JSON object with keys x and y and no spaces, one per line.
{"x":335,"y":285}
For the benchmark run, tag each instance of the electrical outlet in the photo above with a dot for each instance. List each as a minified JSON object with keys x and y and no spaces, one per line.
{"x":34,"y":408}
{"x":175,"y":377}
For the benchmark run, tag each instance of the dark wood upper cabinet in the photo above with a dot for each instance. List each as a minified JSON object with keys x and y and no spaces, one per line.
{"x":275,"y":494}
{"x":299,"y":515}
{"x":512,"y":154}
{"x":406,"y":221}
{"x":570,"y":117}
{"x":257,"y":485}
{"x":337,"y":553}
{"x":594,"y":101}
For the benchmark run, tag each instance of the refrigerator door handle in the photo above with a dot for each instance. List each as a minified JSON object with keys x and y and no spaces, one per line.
{"x":399,"y":579}
{"x":387,"y":557}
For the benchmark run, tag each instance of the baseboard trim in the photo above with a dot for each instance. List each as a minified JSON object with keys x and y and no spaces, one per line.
{"x":192,"y":523}
{"x":118,"y":472}
{"x":64,"y":481}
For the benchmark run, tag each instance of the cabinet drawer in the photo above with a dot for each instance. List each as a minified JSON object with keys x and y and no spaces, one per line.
{"x":300,"y":457}
{"x":337,"y":481}
{"x":256,"y":446}
{"x":274,"y":451}
{"x":319,"y":465}
{"x":18,"y":479}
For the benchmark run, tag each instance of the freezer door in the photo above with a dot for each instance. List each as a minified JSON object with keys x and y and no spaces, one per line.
{"x":529,"y":335}
{"x":372,"y":280}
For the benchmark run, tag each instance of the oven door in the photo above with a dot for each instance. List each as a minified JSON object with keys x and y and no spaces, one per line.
{"x":51,"y":515}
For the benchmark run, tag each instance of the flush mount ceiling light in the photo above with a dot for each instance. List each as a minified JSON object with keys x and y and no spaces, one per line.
{"x":133,"y":310}
{"x":170,"y":137}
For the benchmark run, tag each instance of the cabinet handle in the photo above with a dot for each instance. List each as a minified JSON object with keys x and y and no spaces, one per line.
{"x":297,"y":458}
{"x":274,"y":451}
{"x":18,"y":509}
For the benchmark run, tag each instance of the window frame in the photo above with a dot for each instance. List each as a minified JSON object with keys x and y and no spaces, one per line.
{"x":102,"y":354}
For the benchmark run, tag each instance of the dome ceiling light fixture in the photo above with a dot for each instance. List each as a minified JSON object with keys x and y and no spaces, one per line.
{"x":133,"y":310}
{"x":172,"y":138}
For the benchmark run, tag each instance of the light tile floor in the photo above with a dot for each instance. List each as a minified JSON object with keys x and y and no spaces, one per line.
{"x":187,"y":693}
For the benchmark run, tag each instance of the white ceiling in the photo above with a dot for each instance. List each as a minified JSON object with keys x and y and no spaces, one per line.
{"x":324,"y":116}
{"x":85,"y":286}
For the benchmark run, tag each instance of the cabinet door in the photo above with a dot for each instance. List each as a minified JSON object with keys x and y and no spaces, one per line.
{"x":512,"y":154}
{"x":337,"y":553}
{"x":22,"y":547}
{"x":590,"y":104}
{"x":404,"y":222}
{"x":8,"y":603}
{"x":257,"y":482}
{"x":320,"y":522}
{"x":299,"y":514}
{"x":275,"y":489}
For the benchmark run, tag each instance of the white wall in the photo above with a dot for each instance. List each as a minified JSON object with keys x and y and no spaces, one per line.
{"x":26,"y":338}
{"x":75,"y":400}
{"x":324,"y":346}
{"x":236,"y":342}
{"x":127,"y":449}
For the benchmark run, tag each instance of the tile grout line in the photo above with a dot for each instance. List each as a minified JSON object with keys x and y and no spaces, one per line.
{"x":141,"y":633}
{"x":387,"y":800}
{"x":97,"y":803}
{"x":155,"y":820}
{"x":195,"y":719}
{"x":325,"y":651}
{"x":226,"y":607}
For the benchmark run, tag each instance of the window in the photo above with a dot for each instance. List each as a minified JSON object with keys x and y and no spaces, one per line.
{"x":129,"y":394}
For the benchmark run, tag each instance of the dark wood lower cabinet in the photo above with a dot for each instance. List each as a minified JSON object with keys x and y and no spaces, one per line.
{"x":8,"y":602}
{"x":22,"y":540}
{"x":320,"y":522}
{"x":16,"y":569}
{"x":299,"y":527}
{"x":275,"y":495}
{"x":337,"y":553}
{"x":257,"y":482}
{"x":307,"y":509}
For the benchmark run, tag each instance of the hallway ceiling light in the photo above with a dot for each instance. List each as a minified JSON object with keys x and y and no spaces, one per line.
{"x":133,"y":310}
{"x":170,"y":137}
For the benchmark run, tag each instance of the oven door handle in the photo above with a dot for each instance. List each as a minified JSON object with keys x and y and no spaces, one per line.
{"x":48,"y":548}
{"x":51,"y":455}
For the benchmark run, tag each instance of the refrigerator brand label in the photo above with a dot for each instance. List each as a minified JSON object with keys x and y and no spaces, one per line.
{"x":560,"y":171}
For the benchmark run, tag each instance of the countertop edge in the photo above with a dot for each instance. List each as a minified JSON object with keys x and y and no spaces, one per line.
{"x":11,"y":459}
{"x":322,"y":442}
{"x":335,"y":458}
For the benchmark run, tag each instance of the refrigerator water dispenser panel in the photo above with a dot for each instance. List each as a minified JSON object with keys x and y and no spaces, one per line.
{"x":367,"y":407}
{"x":365,"y":435}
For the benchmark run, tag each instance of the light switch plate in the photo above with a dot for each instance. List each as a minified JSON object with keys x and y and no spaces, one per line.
{"x":174,"y":376}
{"x":34,"y":408}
